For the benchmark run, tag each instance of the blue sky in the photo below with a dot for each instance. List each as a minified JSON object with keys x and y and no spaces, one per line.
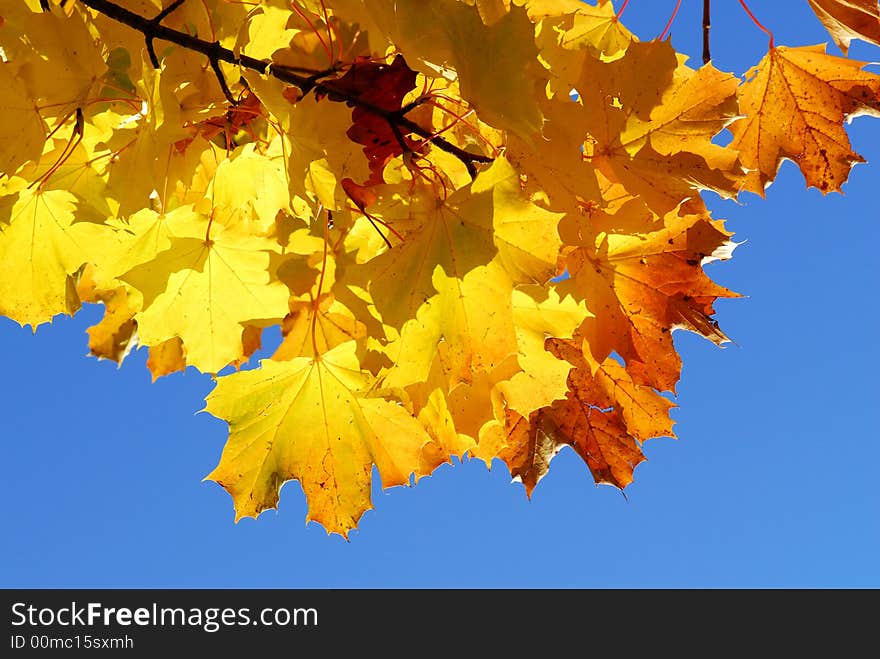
{"x":772,"y":482}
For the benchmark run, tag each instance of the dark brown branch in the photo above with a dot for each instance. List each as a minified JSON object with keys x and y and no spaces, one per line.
{"x":152,"y":29}
{"x":398,"y":136}
{"x":706,"y":24}
{"x":165,"y":12}
{"x":215,"y":64}
{"x":156,"y":20}
{"x":152,"y":53}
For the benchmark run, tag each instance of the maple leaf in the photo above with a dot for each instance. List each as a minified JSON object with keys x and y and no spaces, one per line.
{"x":205,"y":290}
{"x":250,"y":189}
{"x":642,"y":277}
{"x":115,"y":335}
{"x":266,"y":31}
{"x":604,"y":416}
{"x":846,"y":20}
{"x":166,"y":358}
{"x":573,"y":24}
{"x":553,"y":160}
{"x":329,"y":322}
{"x":144,"y":142}
{"x":447,"y":286}
{"x":311,"y":419}
{"x":794,"y":104}
{"x":41,"y":247}
{"x":316,"y":133}
{"x":382,"y":86}
{"x":649,"y":121}
{"x":22,"y":140}
{"x":57,"y":62}
{"x":539,"y":314}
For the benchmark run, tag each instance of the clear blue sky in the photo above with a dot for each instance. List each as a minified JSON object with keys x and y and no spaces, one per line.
{"x":773,"y":481}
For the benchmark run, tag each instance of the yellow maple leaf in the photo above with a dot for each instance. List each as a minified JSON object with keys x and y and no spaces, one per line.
{"x":462,"y":417}
{"x":437,"y":418}
{"x":40,"y":248}
{"x":319,"y":152}
{"x":552,"y":161}
{"x":651,"y":120}
{"x":23,"y":139}
{"x":266,"y":30}
{"x":204,"y":290}
{"x":794,"y":104}
{"x":311,"y":419}
{"x":570,"y":32}
{"x":539,"y":313}
{"x":114,"y":336}
{"x":312,"y":328}
{"x":166,"y":358}
{"x":573,"y":24}
{"x":251,"y":186}
{"x":68,"y":164}
{"x":447,"y":286}
{"x":144,"y":142}
{"x":57,"y":62}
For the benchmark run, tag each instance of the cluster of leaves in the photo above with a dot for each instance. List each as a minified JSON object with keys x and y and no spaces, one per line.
{"x":476,"y":222}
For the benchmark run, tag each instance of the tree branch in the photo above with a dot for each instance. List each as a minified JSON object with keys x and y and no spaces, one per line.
{"x":158,"y":19}
{"x":152,"y":29}
{"x":706,"y":25}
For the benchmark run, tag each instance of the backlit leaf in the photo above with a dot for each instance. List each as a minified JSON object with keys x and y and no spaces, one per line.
{"x":312,"y":420}
{"x":795,"y":102}
{"x":846,"y":20}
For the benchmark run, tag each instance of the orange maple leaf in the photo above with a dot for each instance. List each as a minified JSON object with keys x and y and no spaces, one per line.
{"x":846,"y":20}
{"x":642,"y":277}
{"x":794,"y":104}
{"x":605,"y":417}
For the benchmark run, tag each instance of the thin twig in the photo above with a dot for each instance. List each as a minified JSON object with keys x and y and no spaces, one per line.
{"x":706,"y":25}
{"x":158,"y":18}
{"x":165,"y":12}
{"x":215,"y":64}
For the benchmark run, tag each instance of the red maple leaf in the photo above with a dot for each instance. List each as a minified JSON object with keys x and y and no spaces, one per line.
{"x":381,"y":86}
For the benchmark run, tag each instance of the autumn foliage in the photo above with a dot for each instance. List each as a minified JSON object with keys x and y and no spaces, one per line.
{"x":476,"y":222}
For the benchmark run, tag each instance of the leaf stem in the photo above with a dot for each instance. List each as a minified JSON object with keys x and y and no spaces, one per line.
{"x":316,"y":304}
{"x":311,"y":25}
{"x":208,"y":241}
{"x":75,"y":138}
{"x":757,"y":22}
{"x":669,"y":22}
